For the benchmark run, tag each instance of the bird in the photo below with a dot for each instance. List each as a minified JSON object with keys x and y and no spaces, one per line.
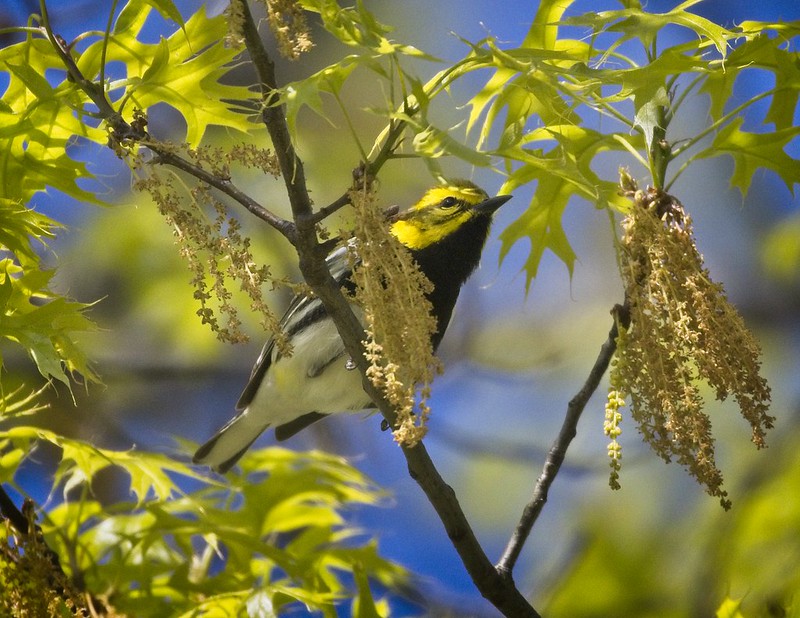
{"x":445,"y":232}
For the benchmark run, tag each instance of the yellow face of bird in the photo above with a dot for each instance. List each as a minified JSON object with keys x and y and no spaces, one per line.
{"x":440,"y":212}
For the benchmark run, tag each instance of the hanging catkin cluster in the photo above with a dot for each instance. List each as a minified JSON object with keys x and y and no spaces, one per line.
{"x":682,"y":331}
{"x":289,"y":26}
{"x":210,"y":240}
{"x":286,"y":20}
{"x":30,"y":583}
{"x":391,"y":289}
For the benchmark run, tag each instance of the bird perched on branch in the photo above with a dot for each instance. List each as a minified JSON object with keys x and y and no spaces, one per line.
{"x":445,"y":233}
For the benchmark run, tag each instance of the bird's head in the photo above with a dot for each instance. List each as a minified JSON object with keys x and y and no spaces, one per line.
{"x":442,"y":211}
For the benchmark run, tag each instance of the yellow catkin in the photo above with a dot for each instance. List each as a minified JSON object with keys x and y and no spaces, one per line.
{"x":212,"y":244}
{"x":683,"y":330}
{"x":399,"y":324}
{"x":289,"y":26}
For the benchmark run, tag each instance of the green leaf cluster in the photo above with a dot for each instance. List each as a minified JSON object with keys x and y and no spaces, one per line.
{"x":43,"y":110}
{"x":183,"y":71}
{"x":272,"y":537}
{"x":578,"y":92}
{"x":43,"y":113}
{"x":37,"y":125}
{"x":44,"y":324}
{"x":621,"y":76}
{"x":32,"y":317}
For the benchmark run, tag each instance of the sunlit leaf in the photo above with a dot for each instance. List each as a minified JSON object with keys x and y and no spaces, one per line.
{"x":150,"y":473}
{"x":19,"y":226}
{"x":432,"y":142}
{"x":541,"y":224}
{"x":43,"y":324}
{"x":751,"y":151}
{"x":730,"y":608}
{"x":638,"y":24}
{"x":543,"y":32}
{"x":358,"y":27}
{"x":183,"y":71}
{"x":308,"y":92}
{"x":37,"y":124}
{"x":758,"y":50}
{"x":650,"y":113}
{"x":168,"y":9}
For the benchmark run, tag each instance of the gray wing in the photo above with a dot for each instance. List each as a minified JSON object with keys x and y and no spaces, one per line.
{"x":302,"y":311}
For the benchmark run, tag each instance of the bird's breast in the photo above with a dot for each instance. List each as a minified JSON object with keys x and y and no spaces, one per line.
{"x":315,"y":378}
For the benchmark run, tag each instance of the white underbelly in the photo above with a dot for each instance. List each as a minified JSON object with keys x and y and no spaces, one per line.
{"x":315,"y":378}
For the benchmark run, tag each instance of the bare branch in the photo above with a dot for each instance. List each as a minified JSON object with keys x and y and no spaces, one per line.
{"x":496,"y":586}
{"x":224,"y":185}
{"x":558,"y":451}
{"x":123,"y":131}
{"x":326,"y":211}
{"x":275,"y":120}
{"x":498,"y":589}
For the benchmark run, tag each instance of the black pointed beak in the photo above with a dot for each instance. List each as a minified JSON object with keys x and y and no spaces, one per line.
{"x":488,"y":207}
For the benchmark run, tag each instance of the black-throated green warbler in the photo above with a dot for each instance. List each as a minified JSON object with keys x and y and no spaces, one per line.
{"x":445,"y":232}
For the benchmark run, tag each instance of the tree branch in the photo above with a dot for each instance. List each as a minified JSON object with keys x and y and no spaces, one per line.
{"x":498,"y":589}
{"x":275,"y":121}
{"x":125,"y":132}
{"x":224,"y":185}
{"x":558,"y":451}
{"x":23,"y":522}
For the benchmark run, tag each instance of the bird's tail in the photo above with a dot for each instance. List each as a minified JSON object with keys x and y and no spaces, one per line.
{"x":225,"y":448}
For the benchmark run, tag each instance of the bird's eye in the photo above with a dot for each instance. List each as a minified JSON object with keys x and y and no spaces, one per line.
{"x":449,"y":202}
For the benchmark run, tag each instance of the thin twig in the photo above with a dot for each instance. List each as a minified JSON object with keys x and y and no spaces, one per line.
{"x":226,"y":186}
{"x":274,"y":118}
{"x":326,"y":211}
{"x":558,"y":451}
{"x":123,"y":130}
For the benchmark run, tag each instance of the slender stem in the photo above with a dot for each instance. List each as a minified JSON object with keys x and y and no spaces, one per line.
{"x":122,"y":129}
{"x":351,"y":127}
{"x":393,"y":134}
{"x":371,"y":168}
{"x":559,"y":449}
{"x":626,"y":144}
{"x":498,"y":588}
{"x":678,"y":173}
{"x":676,"y":104}
{"x":106,"y":38}
{"x":224,"y":185}
{"x":735,"y":112}
{"x":326,"y":211}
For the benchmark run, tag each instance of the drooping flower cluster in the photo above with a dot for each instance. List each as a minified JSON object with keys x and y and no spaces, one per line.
{"x":289,"y":26}
{"x":286,"y":20}
{"x":30,"y":582}
{"x":210,"y":240}
{"x":399,"y":324}
{"x":683,"y":330}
